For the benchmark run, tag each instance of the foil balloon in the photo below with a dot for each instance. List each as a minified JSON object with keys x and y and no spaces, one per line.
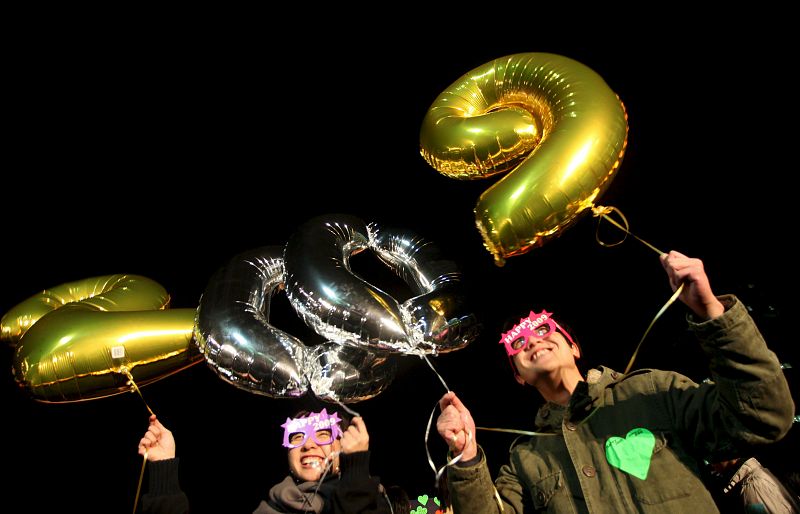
{"x":234,"y":333}
{"x":346,"y":309}
{"x":348,"y":374}
{"x":86,"y":339}
{"x":437,"y":319}
{"x":551,"y":122}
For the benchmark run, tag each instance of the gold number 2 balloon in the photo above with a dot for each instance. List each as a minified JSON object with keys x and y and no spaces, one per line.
{"x":80,"y":340}
{"x":549,"y":119}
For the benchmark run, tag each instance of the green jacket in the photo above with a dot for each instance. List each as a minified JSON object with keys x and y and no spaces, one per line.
{"x":748,"y":403}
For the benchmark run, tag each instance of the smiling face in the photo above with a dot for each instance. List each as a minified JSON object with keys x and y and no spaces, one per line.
{"x":312,"y":438}
{"x":307,"y":462}
{"x":539,"y":348}
{"x":544,"y":358}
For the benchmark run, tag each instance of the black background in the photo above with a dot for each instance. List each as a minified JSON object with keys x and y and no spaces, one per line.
{"x":163,"y":148}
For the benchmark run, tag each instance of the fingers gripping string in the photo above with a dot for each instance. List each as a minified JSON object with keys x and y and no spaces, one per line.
{"x":134,"y":388}
{"x":603,"y":212}
{"x":438,"y":473}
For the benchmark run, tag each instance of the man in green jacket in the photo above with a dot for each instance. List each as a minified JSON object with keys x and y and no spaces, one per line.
{"x":619,"y":443}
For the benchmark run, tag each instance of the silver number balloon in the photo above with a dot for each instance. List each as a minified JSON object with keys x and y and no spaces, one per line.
{"x":244,"y":349}
{"x":348,"y":374}
{"x":233,"y":330}
{"x":437,"y":319}
{"x":344,"y":308}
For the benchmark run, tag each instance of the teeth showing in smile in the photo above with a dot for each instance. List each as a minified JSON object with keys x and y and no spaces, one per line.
{"x":311,"y":461}
{"x":539,"y":353}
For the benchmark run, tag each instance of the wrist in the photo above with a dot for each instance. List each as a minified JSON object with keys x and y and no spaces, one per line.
{"x":713,"y":310}
{"x":470,"y":452}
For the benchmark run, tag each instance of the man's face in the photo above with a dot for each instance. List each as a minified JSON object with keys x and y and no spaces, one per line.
{"x":542,"y":357}
{"x":538,"y":347}
{"x":307,"y":461}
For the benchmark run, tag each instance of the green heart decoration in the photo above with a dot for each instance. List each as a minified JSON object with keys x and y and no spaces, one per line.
{"x":632,"y":454}
{"x":436,"y":501}
{"x":422,"y":499}
{"x":420,"y":510}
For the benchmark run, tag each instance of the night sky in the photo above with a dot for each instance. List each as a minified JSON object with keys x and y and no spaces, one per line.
{"x":164,"y":153}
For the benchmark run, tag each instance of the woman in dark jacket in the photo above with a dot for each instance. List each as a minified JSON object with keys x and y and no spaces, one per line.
{"x":328,"y":470}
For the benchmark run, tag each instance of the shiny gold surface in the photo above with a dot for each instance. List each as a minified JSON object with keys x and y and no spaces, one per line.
{"x":550,"y":120}
{"x":76,"y":341}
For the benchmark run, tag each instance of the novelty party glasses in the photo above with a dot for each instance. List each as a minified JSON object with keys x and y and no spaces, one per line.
{"x":319,"y":426}
{"x":537,"y":326}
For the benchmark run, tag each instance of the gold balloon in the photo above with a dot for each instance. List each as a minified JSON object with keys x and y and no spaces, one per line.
{"x":82,"y":340}
{"x":551,"y":120}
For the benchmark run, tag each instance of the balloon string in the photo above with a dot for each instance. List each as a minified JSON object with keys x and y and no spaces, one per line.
{"x":527,"y":432}
{"x":139,"y":487}
{"x":348,"y":409}
{"x":135,"y":388}
{"x":388,"y":501}
{"x":671,"y":300}
{"x":438,"y":473}
{"x":513,"y":431}
{"x":602,"y":211}
{"x":598,"y":211}
{"x":328,"y":465}
{"x":447,"y":389}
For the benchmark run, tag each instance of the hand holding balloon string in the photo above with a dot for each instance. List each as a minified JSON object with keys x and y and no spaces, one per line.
{"x":156,"y":444}
{"x":539,"y":141}
{"x":678,"y":286}
{"x":449,"y":428}
{"x":151,"y":439}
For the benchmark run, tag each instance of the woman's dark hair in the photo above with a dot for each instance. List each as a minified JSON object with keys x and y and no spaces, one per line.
{"x":398,"y":499}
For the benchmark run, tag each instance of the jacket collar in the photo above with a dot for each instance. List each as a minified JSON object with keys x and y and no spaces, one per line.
{"x":586,"y":396}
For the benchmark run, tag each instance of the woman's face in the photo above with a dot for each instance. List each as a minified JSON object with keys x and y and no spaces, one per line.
{"x":308,"y":461}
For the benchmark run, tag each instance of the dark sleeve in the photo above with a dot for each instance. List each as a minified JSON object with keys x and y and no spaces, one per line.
{"x":164,"y":495}
{"x":358,"y":492}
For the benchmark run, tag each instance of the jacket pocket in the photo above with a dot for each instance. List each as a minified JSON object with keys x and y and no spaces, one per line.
{"x":544,"y":489}
{"x":667,"y":479}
